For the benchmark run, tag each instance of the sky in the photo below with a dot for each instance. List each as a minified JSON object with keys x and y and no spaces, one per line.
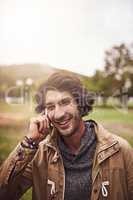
{"x":67,"y":34}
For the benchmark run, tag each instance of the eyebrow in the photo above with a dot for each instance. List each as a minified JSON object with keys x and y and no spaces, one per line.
{"x":65,"y":98}
{"x":49,"y":103}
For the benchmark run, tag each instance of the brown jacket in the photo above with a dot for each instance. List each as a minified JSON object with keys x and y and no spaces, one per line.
{"x":112,"y":173}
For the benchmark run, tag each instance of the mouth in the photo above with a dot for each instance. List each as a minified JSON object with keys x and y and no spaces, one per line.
{"x":64,"y":124}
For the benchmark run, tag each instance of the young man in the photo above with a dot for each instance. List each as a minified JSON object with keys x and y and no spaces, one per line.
{"x":64,"y":157}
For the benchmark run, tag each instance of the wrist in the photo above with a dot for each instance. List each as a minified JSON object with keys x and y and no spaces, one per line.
{"x":29,"y":142}
{"x":32,"y":136}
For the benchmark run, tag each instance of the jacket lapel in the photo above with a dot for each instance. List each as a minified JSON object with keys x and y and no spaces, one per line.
{"x":107,"y":145}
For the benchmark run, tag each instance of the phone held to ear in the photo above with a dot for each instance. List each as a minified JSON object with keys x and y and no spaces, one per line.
{"x":48,"y":124}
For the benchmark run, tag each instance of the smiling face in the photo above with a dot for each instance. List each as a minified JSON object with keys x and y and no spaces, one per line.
{"x":63,"y":112}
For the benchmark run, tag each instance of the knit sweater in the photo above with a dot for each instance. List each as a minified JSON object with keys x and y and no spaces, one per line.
{"x":78,"y":168}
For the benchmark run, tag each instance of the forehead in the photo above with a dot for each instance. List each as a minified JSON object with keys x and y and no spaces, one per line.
{"x":53,"y":96}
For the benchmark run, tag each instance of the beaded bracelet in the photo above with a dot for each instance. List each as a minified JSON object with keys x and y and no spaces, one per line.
{"x":29,"y":143}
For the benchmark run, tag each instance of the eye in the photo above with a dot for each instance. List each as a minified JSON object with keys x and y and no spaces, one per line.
{"x":50,"y":107}
{"x":66,"y":101}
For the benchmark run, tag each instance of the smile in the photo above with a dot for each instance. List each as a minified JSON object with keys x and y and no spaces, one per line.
{"x":64,"y":124}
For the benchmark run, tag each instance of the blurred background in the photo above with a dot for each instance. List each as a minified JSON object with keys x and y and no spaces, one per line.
{"x":91,"y":38}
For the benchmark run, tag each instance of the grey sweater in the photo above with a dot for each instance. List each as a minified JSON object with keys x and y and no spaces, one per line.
{"x":78,"y":168}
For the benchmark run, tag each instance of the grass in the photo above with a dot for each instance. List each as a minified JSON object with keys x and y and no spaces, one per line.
{"x":9,"y":138}
{"x":119,"y":122}
{"x":12,"y":108}
{"x":112,"y":115}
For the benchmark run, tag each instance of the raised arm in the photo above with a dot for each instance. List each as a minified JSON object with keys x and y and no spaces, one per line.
{"x":16,"y":171}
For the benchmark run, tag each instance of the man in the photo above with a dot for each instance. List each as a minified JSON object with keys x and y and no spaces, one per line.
{"x":64,"y":157}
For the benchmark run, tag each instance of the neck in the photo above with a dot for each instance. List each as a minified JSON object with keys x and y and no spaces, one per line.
{"x":73,"y":142}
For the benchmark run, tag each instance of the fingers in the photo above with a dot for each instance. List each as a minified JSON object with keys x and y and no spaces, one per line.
{"x":42,"y":123}
{"x":39,"y":127}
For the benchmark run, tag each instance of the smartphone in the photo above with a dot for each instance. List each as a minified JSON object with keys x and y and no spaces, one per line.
{"x":50,"y":123}
{"x":46,"y":113}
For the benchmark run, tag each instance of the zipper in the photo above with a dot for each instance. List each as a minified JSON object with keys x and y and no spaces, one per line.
{"x":63,"y":172}
{"x":96,"y":155}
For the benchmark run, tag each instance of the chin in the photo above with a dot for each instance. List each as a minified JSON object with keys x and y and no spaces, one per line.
{"x":66,"y":133}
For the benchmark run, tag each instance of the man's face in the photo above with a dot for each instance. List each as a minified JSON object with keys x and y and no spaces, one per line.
{"x":63,"y":112}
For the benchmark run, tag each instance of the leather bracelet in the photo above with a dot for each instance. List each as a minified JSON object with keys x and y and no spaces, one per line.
{"x":29,"y":143}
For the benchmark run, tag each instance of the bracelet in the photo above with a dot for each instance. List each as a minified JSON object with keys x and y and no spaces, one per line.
{"x":29,"y":143}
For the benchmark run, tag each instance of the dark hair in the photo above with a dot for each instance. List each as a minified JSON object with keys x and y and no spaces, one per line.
{"x":64,"y":81}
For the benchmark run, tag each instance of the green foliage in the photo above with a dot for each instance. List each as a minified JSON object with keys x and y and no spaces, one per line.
{"x":117,"y":76}
{"x":119,"y":64}
{"x":27,"y":195}
{"x":112,"y":115}
{"x":116,"y":121}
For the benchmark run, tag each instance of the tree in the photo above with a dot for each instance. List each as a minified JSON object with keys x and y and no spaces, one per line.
{"x":100,"y":84}
{"x":119,"y":66}
{"x":119,"y":62}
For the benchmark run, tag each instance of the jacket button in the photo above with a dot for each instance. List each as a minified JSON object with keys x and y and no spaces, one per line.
{"x":95,"y":190}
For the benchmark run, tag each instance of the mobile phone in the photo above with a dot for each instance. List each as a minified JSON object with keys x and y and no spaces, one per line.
{"x":50,"y":123}
{"x":44,"y":112}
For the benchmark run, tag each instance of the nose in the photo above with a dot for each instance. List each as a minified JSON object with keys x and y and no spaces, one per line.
{"x":59,"y":113}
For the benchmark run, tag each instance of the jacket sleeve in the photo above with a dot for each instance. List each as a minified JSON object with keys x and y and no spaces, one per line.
{"x":128,"y":157}
{"x":16,"y":173}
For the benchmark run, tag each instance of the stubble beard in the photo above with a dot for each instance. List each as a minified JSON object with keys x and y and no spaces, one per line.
{"x":74,"y":126}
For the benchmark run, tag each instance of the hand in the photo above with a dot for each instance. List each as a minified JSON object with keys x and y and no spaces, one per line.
{"x":39,"y":127}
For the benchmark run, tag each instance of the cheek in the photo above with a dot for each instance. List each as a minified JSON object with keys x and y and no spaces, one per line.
{"x":75,"y":110}
{"x":75,"y":114}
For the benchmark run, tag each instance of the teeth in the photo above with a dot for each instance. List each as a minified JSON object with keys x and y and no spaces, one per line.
{"x":62,"y":123}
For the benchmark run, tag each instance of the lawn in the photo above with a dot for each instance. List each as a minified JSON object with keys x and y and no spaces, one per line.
{"x":112,"y":115}
{"x":119,"y":122}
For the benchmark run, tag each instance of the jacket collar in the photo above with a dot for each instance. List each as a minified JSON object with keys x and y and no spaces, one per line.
{"x":107,"y":143}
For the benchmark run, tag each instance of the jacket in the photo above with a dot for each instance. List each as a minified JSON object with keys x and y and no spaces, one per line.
{"x":43,"y":170}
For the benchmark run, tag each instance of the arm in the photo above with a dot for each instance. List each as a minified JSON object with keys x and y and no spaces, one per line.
{"x":16,"y":171}
{"x":127,"y":152}
{"x":128,"y":156}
